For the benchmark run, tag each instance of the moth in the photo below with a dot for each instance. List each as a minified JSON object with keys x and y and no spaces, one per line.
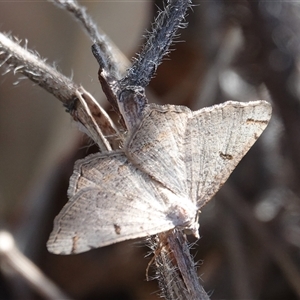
{"x":172,"y":163}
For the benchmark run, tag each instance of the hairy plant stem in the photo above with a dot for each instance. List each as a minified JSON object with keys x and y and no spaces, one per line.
{"x":157,"y":43}
{"x":175,"y":268}
{"x":19,"y":59}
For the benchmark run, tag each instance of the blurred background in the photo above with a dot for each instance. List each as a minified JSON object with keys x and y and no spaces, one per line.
{"x":231,"y":50}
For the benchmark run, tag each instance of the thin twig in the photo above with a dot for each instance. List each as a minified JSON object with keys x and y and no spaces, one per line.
{"x":108,"y":81}
{"x":11,"y":257}
{"x":112,"y":61}
{"x":115,"y":61}
{"x":22,"y":60}
{"x":29,"y":63}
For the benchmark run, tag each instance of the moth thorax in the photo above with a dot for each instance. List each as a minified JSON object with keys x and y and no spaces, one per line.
{"x":184,"y":217}
{"x":193,"y":229}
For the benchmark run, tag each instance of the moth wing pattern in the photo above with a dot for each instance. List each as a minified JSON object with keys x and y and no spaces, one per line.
{"x":173,"y":162}
{"x":156,"y":145}
{"x":216,"y":140}
{"x":124,"y":206}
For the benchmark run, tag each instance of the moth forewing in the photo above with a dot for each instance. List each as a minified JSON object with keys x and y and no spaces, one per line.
{"x":216,"y":140}
{"x":172,"y":163}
